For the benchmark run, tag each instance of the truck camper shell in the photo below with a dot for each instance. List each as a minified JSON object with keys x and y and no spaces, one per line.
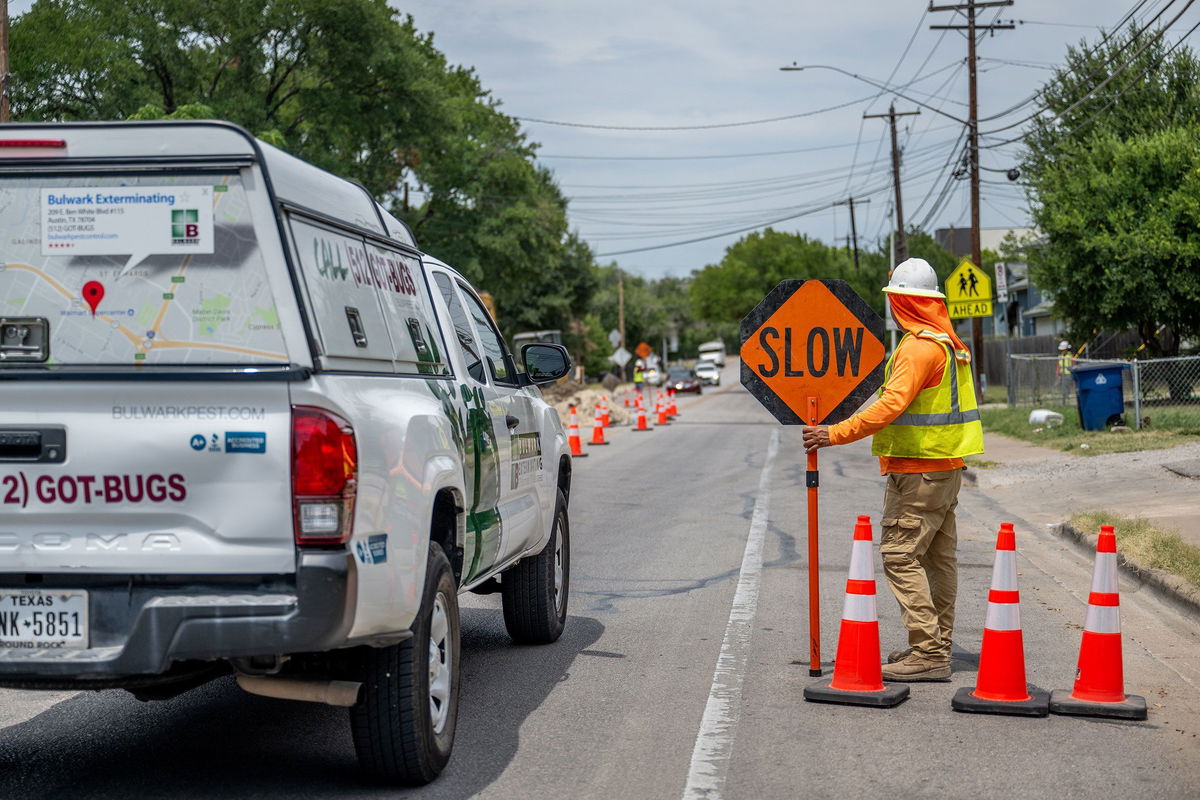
{"x":287,"y":187}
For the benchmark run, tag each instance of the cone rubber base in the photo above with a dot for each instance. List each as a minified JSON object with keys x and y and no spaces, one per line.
{"x":1061,"y":702}
{"x":892,"y":695}
{"x":1038,"y":704}
{"x":642,"y":430}
{"x":580,"y":455}
{"x":596,"y":444}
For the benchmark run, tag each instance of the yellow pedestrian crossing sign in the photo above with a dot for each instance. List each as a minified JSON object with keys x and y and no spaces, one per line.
{"x":969,"y":292}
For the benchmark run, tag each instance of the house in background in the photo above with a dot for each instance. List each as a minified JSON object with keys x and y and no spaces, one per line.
{"x":1028,"y":310}
{"x":958,"y":240}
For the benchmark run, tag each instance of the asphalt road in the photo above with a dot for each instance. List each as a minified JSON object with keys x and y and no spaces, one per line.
{"x":615,"y":709}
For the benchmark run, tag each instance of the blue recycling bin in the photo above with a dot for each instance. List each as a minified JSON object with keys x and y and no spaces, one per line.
{"x":1098,"y":393}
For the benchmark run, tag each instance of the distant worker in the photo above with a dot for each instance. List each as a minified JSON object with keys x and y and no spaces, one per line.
{"x":1063,"y":370}
{"x":639,"y":375}
{"x":925,"y":420}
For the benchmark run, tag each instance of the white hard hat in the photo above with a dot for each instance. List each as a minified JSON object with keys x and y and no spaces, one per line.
{"x":914,"y":277}
{"x":1064,"y":345}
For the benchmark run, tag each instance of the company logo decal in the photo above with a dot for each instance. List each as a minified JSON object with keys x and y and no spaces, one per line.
{"x":185,"y":226}
{"x":373,"y":550}
{"x":245,"y":442}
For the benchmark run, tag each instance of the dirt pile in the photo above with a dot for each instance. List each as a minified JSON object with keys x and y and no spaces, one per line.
{"x":568,"y":393}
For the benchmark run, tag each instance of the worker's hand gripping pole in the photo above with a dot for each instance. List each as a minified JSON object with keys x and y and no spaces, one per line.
{"x":814,"y":572}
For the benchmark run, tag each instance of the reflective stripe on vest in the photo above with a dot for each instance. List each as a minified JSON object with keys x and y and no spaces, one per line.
{"x":942,"y":421}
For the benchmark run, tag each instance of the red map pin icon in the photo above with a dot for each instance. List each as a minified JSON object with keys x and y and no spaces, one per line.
{"x":93,"y":293}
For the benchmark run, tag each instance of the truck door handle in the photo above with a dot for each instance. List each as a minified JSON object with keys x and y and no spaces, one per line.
{"x":511,"y":421}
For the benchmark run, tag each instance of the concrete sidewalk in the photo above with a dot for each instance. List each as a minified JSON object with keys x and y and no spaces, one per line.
{"x":1150,"y":484}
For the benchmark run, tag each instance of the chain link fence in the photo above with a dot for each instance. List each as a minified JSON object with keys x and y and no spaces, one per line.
{"x":1158,"y":393}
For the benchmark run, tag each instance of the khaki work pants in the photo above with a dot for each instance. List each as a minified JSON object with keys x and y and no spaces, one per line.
{"x":918,"y":548}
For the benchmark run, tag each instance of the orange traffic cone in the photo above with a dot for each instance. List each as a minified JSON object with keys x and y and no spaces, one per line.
{"x":627,"y":401}
{"x":573,"y":437}
{"x":641,"y":420}
{"x":604,"y":420}
{"x":597,"y":430}
{"x":673,"y":411}
{"x":1099,"y":679}
{"x":660,"y":407}
{"x":1000,"y":687}
{"x":857,"y":672}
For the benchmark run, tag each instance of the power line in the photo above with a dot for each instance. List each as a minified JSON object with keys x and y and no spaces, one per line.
{"x":1154,"y":37}
{"x":1107,"y":62}
{"x":796,"y":211}
{"x":715,"y":125}
{"x":854,"y":161}
{"x":1103,"y":40}
{"x":1091,"y":92}
{"x":711,"y":126}
{"x":715,"y":235}
{"x":699,"y":157}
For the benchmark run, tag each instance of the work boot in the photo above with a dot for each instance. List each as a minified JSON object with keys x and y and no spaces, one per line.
{"x":915,"y":668}
{"x":899,"y":655}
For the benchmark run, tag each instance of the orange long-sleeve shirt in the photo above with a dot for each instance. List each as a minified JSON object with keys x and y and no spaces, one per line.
{"x":919,"y":364}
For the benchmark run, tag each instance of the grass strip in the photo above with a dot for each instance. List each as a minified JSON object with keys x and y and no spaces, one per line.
{"x":1070,"y":438}
{"x":1145,"y":544}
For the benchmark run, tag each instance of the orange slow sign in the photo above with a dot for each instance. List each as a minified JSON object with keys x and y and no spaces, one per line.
{"x":812,"y":338}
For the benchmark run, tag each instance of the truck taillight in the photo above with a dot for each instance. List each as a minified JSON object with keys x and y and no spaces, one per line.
{"x":324,"y":476}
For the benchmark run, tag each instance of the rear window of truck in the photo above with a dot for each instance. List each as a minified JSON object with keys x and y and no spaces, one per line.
{"x":153,"y":269}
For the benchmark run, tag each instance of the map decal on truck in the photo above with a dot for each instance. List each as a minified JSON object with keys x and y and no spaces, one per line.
{"x":138,"y":270}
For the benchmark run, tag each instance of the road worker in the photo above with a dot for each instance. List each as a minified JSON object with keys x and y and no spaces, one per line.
{"x":1063,"y":369}
{"x":639,"y":375}
{"x":925,"y":420}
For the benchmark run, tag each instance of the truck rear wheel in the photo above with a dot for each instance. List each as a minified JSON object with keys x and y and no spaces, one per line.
{"x":535,"y":589}
{"x":403,"y":724}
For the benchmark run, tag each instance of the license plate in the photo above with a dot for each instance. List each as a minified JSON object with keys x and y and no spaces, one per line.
{"x":34,"y":619}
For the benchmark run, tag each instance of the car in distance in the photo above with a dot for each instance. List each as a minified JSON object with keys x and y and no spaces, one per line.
{"x":247,"y":428}
{"x":683,"y":379}
{"x":708,"y":373}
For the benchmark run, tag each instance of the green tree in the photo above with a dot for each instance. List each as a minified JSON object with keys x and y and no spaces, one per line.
{"x":1114,"y":189}
{"x":349,"y":85}
{"x":725,"y":292}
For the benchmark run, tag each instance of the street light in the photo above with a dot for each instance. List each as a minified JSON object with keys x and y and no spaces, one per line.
{"x":798,"y":67}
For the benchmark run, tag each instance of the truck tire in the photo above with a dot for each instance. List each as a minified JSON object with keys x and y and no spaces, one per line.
{"x":535,"y":589}
{"x":403,"y":724}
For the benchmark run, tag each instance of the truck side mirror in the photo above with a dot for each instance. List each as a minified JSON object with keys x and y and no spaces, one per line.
{"x":545,"y":363}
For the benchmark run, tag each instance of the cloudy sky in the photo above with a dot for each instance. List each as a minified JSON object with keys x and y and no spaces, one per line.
{"x":696,"y":63}
{"x":710,"y":70}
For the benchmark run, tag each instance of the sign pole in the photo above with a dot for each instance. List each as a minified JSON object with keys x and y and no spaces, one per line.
{"x":812,"y":481}
{"x":812,"y":352}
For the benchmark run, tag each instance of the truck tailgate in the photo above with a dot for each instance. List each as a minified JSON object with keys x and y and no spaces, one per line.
{"x":145,"y":477}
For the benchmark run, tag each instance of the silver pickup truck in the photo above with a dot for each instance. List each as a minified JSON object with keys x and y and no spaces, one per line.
{"x":247,"y":427}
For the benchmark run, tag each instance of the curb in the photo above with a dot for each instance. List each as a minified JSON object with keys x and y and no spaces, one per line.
{"x":1170,"y":587}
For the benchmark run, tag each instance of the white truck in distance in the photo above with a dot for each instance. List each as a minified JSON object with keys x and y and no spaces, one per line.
{"x":713,"y":351}
{"x":247,"y":427}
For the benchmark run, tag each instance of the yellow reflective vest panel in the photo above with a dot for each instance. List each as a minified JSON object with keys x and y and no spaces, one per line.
{"x":942,"y":421}
{"x":638,"y":375}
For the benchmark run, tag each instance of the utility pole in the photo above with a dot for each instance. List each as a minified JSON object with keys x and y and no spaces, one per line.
{"x":4,"y":111}
{"x":621,"y":316}
{"x":850,"y":201}
{"x":621,"y":305}
{"x":901,"y":240}
{"x":969,"y":8}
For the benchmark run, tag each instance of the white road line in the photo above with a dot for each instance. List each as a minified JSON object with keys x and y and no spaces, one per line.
{"x":714,"y":741}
